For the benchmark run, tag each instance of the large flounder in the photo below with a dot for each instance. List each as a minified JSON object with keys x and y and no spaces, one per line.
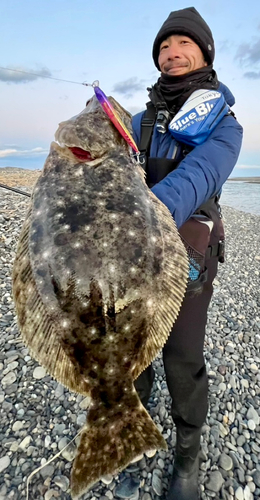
{"x":98,"y":281}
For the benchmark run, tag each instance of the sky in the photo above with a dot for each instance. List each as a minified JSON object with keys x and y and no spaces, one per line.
{"x":86,"y":40}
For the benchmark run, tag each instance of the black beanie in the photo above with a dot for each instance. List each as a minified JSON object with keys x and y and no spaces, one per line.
{"x":190,"y":23}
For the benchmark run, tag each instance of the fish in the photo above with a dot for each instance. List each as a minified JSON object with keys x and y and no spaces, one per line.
{"x":99,"y":276}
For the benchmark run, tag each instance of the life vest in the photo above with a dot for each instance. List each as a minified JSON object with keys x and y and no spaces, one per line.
{"x":193,"y":232}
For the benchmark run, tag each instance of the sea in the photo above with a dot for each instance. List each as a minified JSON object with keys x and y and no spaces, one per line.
{"x":244,"y":196}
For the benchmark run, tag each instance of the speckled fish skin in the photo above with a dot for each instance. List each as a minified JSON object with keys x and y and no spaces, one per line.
{"x":98,"y":281}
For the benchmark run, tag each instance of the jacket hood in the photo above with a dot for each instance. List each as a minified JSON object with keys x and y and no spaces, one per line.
{"x":230,"y":99}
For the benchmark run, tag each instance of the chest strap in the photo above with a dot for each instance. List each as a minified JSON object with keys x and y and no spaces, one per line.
{"x":157,"y":169}
{"x":147,"y":126}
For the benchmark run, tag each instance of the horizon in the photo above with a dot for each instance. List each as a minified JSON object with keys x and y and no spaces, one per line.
{"x":232,"y":176}
{"x":78,"y":44}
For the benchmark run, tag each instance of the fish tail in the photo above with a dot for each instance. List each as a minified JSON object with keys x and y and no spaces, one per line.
{"x":108,"y":444}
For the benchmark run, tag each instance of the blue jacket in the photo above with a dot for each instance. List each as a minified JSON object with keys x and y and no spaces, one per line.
{"x":201,"y":174}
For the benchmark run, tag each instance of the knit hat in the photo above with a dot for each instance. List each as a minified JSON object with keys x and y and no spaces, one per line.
{"x":190,"y":23}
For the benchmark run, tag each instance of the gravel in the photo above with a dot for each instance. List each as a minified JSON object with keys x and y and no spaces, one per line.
{"x":39,"y":416}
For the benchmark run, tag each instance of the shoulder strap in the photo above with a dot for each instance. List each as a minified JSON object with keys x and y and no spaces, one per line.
{"x":147,"y":125}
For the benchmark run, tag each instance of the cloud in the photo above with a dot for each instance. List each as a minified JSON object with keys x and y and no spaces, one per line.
{"x":20,"y":74}
{"x":135,"y":109}
{"x":252,"y":75}
{"x":225,"y":46}
{"x":129,"y":87}
{"x":249,"y":53}
{"x":5,"y":153}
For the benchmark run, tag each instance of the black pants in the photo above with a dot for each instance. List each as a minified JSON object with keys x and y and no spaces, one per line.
{"x":183,"y":359}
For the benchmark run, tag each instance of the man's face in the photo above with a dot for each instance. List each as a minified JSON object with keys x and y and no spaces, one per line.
{"x":179,"y":55}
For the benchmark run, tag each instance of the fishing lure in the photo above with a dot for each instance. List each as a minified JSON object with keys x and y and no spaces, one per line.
{"x":112,"y":114}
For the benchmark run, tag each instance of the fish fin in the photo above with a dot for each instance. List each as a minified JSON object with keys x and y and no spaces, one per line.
{"x":173,"y":282}
{"x":109,"y":444}
{"x":38,"y":330}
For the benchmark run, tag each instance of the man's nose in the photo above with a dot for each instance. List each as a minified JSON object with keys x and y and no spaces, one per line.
{"x":173,"y":51}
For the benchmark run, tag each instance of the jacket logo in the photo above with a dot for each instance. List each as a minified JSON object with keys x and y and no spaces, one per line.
{"x":199,"y":111}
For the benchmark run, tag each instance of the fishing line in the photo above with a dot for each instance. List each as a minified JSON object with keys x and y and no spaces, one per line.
{"x":48,"y":462}
{"x":42,"y":76}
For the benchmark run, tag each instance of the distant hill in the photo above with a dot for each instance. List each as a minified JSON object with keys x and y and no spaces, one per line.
{"x":254,"y":180}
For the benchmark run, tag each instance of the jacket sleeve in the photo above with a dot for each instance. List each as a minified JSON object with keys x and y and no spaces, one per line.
{"x":202,"y":172}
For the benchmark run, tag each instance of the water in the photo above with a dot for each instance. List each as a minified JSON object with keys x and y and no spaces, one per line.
{"x":243,"y":196}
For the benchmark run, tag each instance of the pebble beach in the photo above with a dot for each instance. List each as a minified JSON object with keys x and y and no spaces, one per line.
{"x":40,"y":418}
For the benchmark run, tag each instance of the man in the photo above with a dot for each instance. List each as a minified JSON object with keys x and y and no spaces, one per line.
{"x":187,"y":180}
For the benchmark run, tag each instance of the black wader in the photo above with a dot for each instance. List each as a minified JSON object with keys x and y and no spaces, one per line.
{"x":183,"y":357}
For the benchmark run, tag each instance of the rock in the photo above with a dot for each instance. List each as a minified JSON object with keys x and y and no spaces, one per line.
{"x":161,"y":463}
{"x":81,"y":419}
{"x":131,"y":468}
{"x":50,"y":494}
{"x":39,"y":372}
{"x":62,"y":481}
{"x":150,"y":453}
{"x":146,"y":496}
{"x":241,"y":440}
{"x":251,"y":425}
{"x":8,"y":379}
{"x":4,"y":463}
{"x":109,"y":494}
{"x":85,"y":403}
{"x":256,"y":477}
{"x":247,"y":494}
{"x":253,"y":415}
{"x":225,"y":462}
{"x":241,"y":475}
{"x":47,"y":441}
{"x":157,"y":483}
{"x":251,"y":486}
{"x":63,"y":442}
{"x":59,"y":429}
{"x":245,"y":383}
{"x":107,"y":479}
{"x":215,"y":481}
{"x":14,"y":446}
{"x":17,"y":426}
{"x":162,"y":413}
{"x":59,"y":391}
{"x":70,"y":452}
{"x":47,"y":471}
{"x":223,"y":431}
{"x":239,"y":494}
{"x":25,"y":443}
{"x":235,"y":460}
{"x":127,"y":487}
{"x":10,"y":367}
{"x":222,"y":370}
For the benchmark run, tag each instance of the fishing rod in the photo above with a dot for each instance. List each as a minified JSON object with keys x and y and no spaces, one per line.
{"x":15,"y":190}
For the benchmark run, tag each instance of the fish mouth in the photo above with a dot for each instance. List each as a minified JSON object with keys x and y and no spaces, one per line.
{"x":81,"y":154}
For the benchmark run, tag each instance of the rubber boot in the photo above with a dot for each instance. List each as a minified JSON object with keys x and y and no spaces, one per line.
{"x":184,"y":482}
{"x":144,"y":383}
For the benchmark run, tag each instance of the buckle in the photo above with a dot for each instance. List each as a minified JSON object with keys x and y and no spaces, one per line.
{"x":147,"y":123}
{"x":216,"y":251}
{"x":221,"y":252}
